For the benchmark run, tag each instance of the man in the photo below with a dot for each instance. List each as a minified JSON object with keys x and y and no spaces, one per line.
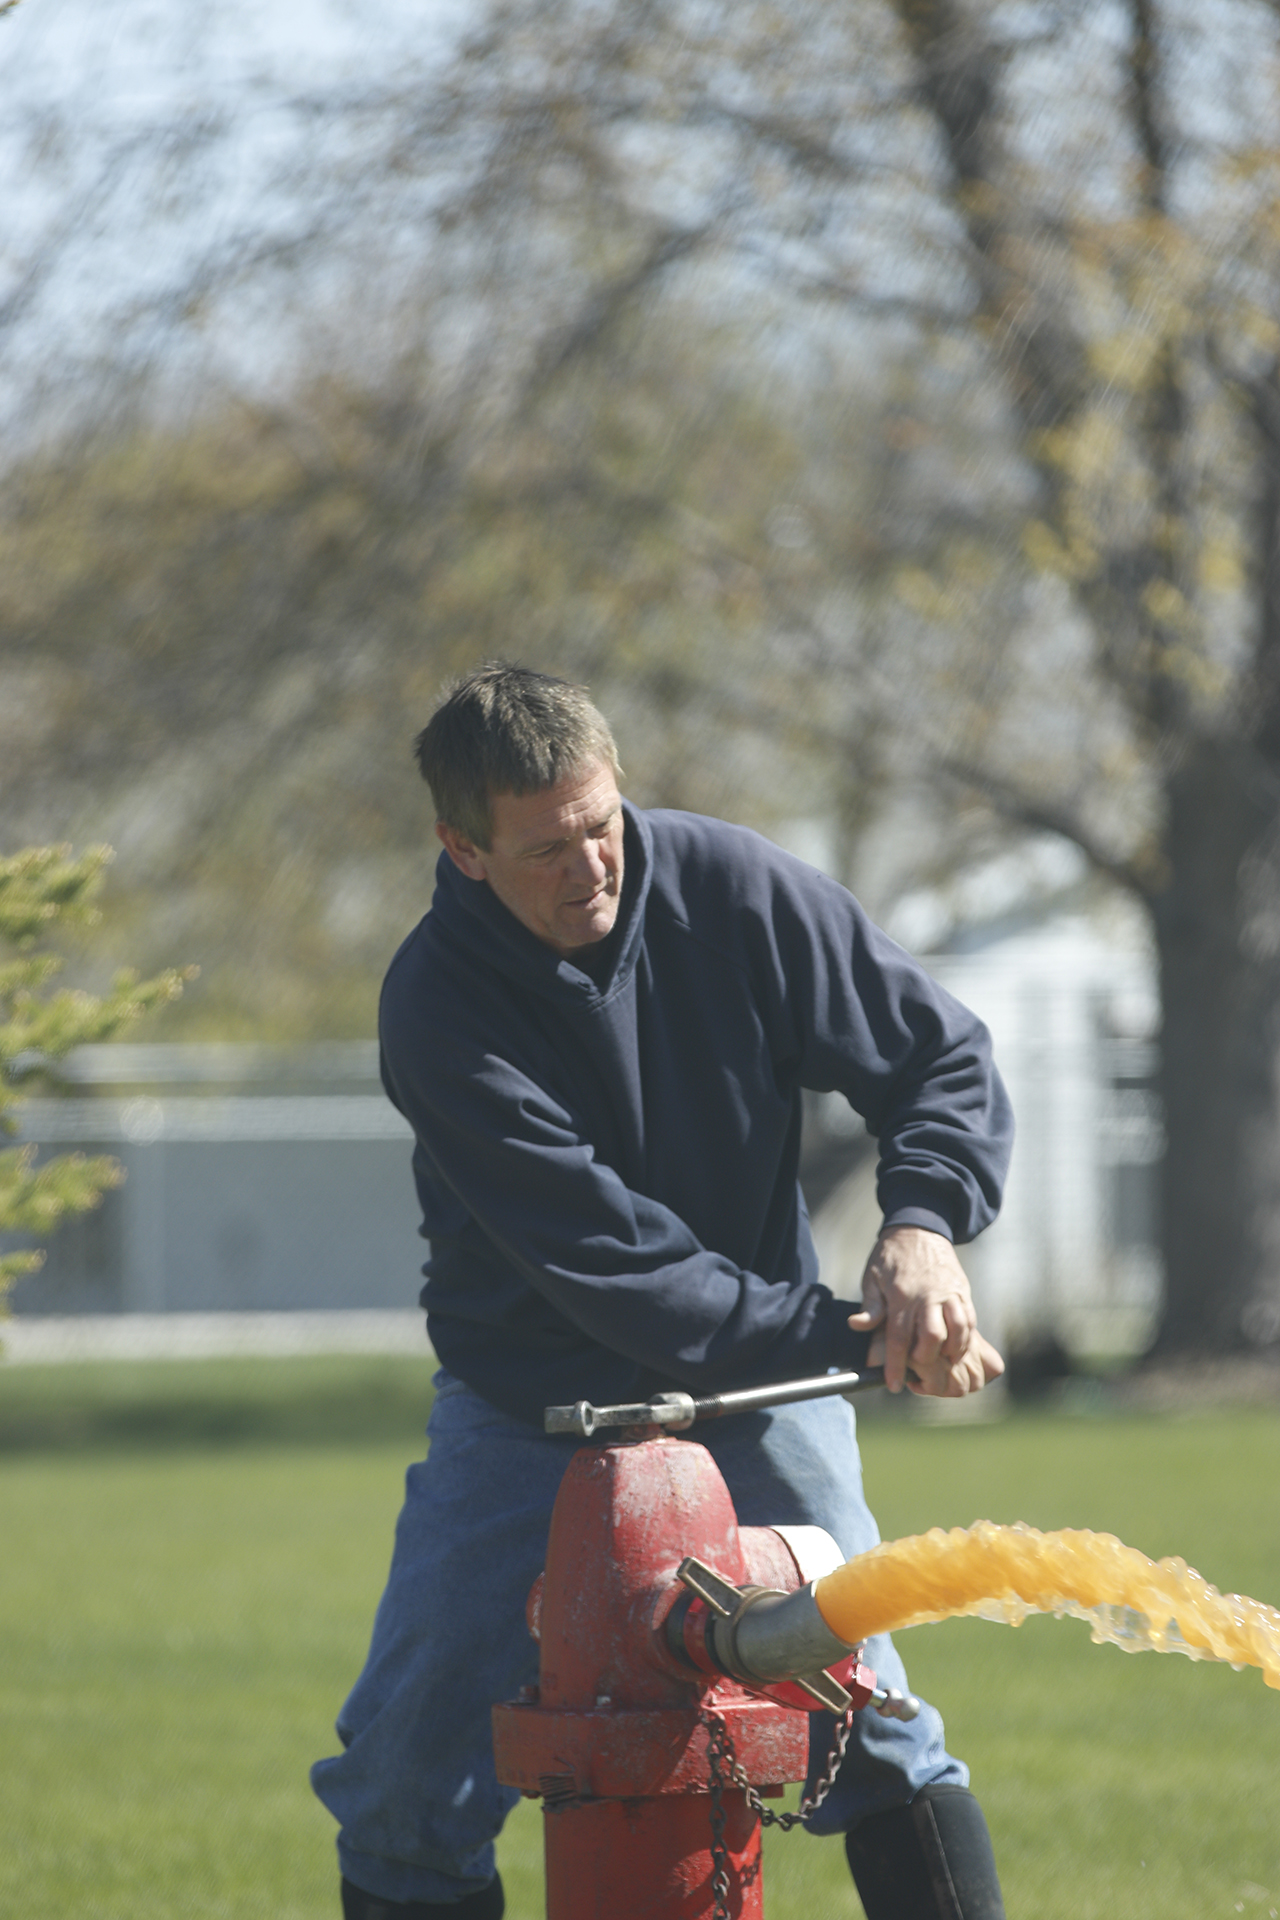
{"x":600,"y":1033}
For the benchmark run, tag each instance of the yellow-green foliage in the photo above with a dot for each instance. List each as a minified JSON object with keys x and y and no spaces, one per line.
{"x":222,"y":649}
{"x":40,"y":888}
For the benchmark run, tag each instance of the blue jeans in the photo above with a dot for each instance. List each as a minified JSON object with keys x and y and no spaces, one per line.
{"x":414,"y":1791}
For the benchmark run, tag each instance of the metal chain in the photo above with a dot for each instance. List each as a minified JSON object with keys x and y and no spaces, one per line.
{"x":720,"y":1749}
{"x":822,"y":1785}
{"x":719,"y":1752}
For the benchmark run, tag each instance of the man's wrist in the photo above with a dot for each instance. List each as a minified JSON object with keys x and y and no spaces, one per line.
{"x":918,"y":1217}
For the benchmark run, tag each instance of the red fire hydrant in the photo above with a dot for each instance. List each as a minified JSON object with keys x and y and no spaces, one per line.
{"x":615,"y":1737}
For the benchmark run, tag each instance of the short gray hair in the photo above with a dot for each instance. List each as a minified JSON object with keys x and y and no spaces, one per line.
{"x":506,"y":729}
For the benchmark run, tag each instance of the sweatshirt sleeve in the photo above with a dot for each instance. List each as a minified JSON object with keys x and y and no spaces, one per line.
{"x":856,"y":1014}
{"x":618,"y":1265}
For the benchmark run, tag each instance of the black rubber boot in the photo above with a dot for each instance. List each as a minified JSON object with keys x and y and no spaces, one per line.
{"x":931,"y":1860}
{"x":487,"y":1904}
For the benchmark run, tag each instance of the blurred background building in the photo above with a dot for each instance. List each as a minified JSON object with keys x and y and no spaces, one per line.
{"x":257,"y":1180}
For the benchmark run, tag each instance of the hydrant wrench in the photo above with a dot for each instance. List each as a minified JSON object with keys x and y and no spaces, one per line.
{"x":674,"y":1412}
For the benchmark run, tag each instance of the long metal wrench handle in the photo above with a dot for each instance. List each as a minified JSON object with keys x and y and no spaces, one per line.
{"x":673,"y":1412}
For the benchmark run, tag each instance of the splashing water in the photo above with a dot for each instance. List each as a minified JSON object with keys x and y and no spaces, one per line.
{"x":1005,"y":1573}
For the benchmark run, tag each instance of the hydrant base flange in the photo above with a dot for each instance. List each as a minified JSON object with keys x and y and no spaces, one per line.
{"x":622,"y":1752}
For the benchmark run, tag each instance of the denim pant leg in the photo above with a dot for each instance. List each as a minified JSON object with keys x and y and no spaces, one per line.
{"x":414,"y":1791}
{"x":799,"y":1465}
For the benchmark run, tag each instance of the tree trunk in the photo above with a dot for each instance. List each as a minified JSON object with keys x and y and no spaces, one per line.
{"x":1217,"y":923}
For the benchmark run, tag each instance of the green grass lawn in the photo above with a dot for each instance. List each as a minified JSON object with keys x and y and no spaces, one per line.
{"x":186,"y":1595}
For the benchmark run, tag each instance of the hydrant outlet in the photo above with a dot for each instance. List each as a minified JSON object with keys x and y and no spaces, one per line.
{"x":756,"y":1634}
{"x":779,"y":1635}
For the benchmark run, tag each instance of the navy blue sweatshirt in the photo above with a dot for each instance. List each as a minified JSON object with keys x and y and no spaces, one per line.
{"x":607,"y":1166}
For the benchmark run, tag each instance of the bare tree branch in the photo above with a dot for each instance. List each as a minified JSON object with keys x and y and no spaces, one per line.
{"x":606,"y":302}
{"x":1035,"y":810}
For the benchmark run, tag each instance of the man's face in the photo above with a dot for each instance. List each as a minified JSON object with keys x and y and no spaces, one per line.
{"x":554,"y":859}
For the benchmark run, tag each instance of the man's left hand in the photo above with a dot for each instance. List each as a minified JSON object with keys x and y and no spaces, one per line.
{"x":916,"y":1300}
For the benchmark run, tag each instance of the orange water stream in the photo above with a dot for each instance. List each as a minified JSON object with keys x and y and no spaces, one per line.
{"x":1005,"y":1573}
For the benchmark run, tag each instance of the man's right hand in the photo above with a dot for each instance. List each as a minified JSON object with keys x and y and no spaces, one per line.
{"x":918,"y":1308}
{"x":945,"y":1379}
